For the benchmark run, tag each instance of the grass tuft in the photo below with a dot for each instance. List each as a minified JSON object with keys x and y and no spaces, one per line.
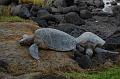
{"x":11,"y":19}
{"x":112,"y":73}
{"x":37,"y":2}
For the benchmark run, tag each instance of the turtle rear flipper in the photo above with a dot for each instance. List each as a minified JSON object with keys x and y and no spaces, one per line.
{"x":34,"y":51}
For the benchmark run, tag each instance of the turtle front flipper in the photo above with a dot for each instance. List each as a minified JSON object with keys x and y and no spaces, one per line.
{"x":100,"y":50}
{"x":34,"y":51}
{"x":84,"y":61}
{"x":103,"y":54}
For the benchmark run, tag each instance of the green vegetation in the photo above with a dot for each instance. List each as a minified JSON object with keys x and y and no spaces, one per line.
{"x":4,"y":10}
{"x":37,"y":2}
{"x":112,"y":73}
{"x":11,"y":19}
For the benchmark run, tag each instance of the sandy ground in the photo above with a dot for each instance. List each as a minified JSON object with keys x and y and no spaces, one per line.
{"x":18,"y":57}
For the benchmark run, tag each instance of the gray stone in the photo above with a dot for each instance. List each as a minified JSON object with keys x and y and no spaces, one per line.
{"x":34,"y":10}
{"x":116,"y":10}
{"x":102,"y":26}
{"x":113,"y":42}
{"x":60,"y":3}
{"x":65,"y":10}
{"x":41,"y":13}
{"x":85,"y":14}
{"x":71,"y":29}
{"x":95,"y":3}
{"x":73,"y":18}
{"x":20,"y":10}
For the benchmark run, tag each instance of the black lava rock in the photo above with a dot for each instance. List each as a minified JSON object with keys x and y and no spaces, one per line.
{"x":85,"y":14}
{"x":42,"y":13}
{"x":40,"y":22}
{"x":74,"y":18}
{"x":116,"y":10}
{"x":21,"y":11}
{"x":34,"y":10}
{"x":70,"y":29}
{"x":61,"y":3}
{"x":69,"y":2}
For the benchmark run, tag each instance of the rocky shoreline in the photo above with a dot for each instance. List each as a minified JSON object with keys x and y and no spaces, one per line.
{"x":73,"y":17}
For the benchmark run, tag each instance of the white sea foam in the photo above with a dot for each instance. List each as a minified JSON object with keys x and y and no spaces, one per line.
{"x":107,"y":6}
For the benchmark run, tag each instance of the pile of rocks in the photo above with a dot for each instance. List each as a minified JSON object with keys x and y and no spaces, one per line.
{"x":60,"y":11}
{"x":75,"y":12}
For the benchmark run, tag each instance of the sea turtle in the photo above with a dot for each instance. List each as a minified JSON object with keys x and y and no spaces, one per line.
{"x":90,"y":41}
{"x":93,"y":43}
{"x":48,"y":38}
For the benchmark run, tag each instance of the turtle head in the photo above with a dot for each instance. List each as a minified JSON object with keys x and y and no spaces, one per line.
{"x":89,"y":48}
{"x":89,"y":52}
{"x":27,"y":40}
